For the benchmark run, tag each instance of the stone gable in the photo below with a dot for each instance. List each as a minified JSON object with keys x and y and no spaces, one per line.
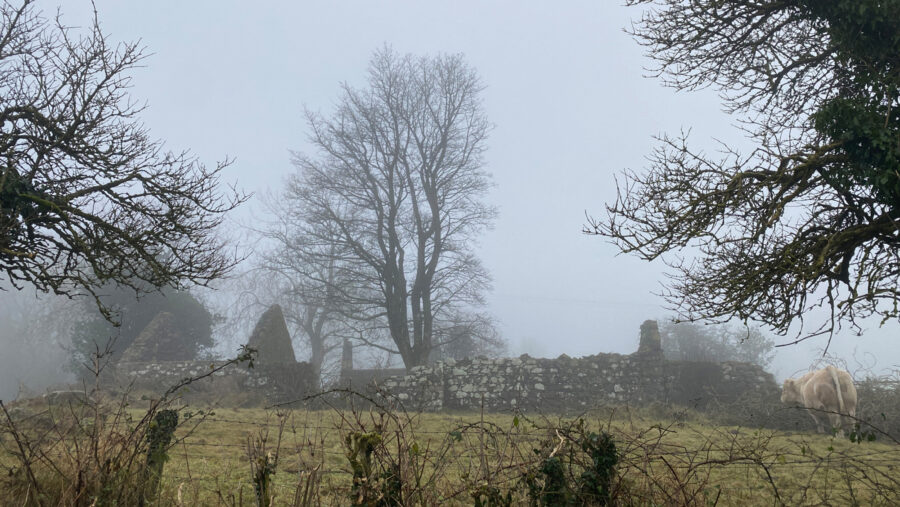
{"x":271,"y":338}
{"x":161,"y":340}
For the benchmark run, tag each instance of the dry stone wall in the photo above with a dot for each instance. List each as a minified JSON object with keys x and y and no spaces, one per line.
{"x":272,"y":383}
{"x":276,"y":377}
{"x":561,"y":385}
{"x":572,"y":384}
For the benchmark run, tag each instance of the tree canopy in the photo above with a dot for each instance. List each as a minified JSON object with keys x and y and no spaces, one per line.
{"x":384,"y":215}
{"x":131,"y":314}
{"x":688,"y":341}
{"x":87,"y":197}
{"x":807,"y":219}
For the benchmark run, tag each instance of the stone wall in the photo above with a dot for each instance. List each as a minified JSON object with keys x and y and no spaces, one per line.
{"x":569,"y":385}
{"x":276,"y":377}
{"x":561,"y":385}
{"x":270,"y":383}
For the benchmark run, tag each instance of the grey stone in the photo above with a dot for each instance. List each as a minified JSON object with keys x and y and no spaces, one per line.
{"x":271,"y":338}
{"x":575,"y":382}
{"x":161,"y":340}
{"x":650,"y":342}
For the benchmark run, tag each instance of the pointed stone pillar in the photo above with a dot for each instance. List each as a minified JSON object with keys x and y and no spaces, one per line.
{"x":271,"y":338}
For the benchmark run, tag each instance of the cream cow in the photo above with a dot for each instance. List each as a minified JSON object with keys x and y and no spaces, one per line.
{"x":827,"y":392}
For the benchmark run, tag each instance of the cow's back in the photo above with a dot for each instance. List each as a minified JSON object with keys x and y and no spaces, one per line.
{"x":824,"y":391}
{"x":818,"y":391}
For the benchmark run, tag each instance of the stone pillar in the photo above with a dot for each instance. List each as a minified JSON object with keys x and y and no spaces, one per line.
{"x":650,"y":341}
{"x":271,"y":338}
{"x":347,"y":357}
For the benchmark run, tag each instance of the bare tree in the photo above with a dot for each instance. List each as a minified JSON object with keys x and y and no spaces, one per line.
{"x":86,"y":196}
{"x":393,"y":201}
{"x":469,"y":335}
{"x":809,"y":218}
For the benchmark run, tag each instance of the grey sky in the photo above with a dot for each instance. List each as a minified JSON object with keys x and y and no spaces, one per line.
{"x":564,"y":89}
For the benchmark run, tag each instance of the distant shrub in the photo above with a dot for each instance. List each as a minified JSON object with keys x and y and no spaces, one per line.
{"x":878,"y":406}
{"x":690,"y":341}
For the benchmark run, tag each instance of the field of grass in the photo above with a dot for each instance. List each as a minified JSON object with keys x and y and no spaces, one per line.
{"x":664,"y":458}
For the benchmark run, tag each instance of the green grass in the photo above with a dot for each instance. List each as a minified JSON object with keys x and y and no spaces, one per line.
{"x":663,"y":461}
{"x":666,"y":458}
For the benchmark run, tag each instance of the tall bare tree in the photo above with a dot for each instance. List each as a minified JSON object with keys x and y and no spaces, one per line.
{"x":87,"y":197}
{"x":393,"y":199}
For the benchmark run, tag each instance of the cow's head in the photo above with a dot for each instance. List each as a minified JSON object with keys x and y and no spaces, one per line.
{"x":791,"y":391}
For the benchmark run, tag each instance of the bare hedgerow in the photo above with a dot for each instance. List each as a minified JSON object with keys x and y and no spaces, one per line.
{"x":89,"y":448}
{"x":879,"y":403}
{"x":371,"y":451}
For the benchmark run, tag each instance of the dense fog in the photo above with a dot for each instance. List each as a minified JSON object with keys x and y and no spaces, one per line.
{"x":569,"y":103}
{"x":34,"y":337}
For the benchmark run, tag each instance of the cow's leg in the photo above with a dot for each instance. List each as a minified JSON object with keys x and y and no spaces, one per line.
{"x":837,"y":422}
{"x":852,"y":421}
{"x":819,"y":427}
